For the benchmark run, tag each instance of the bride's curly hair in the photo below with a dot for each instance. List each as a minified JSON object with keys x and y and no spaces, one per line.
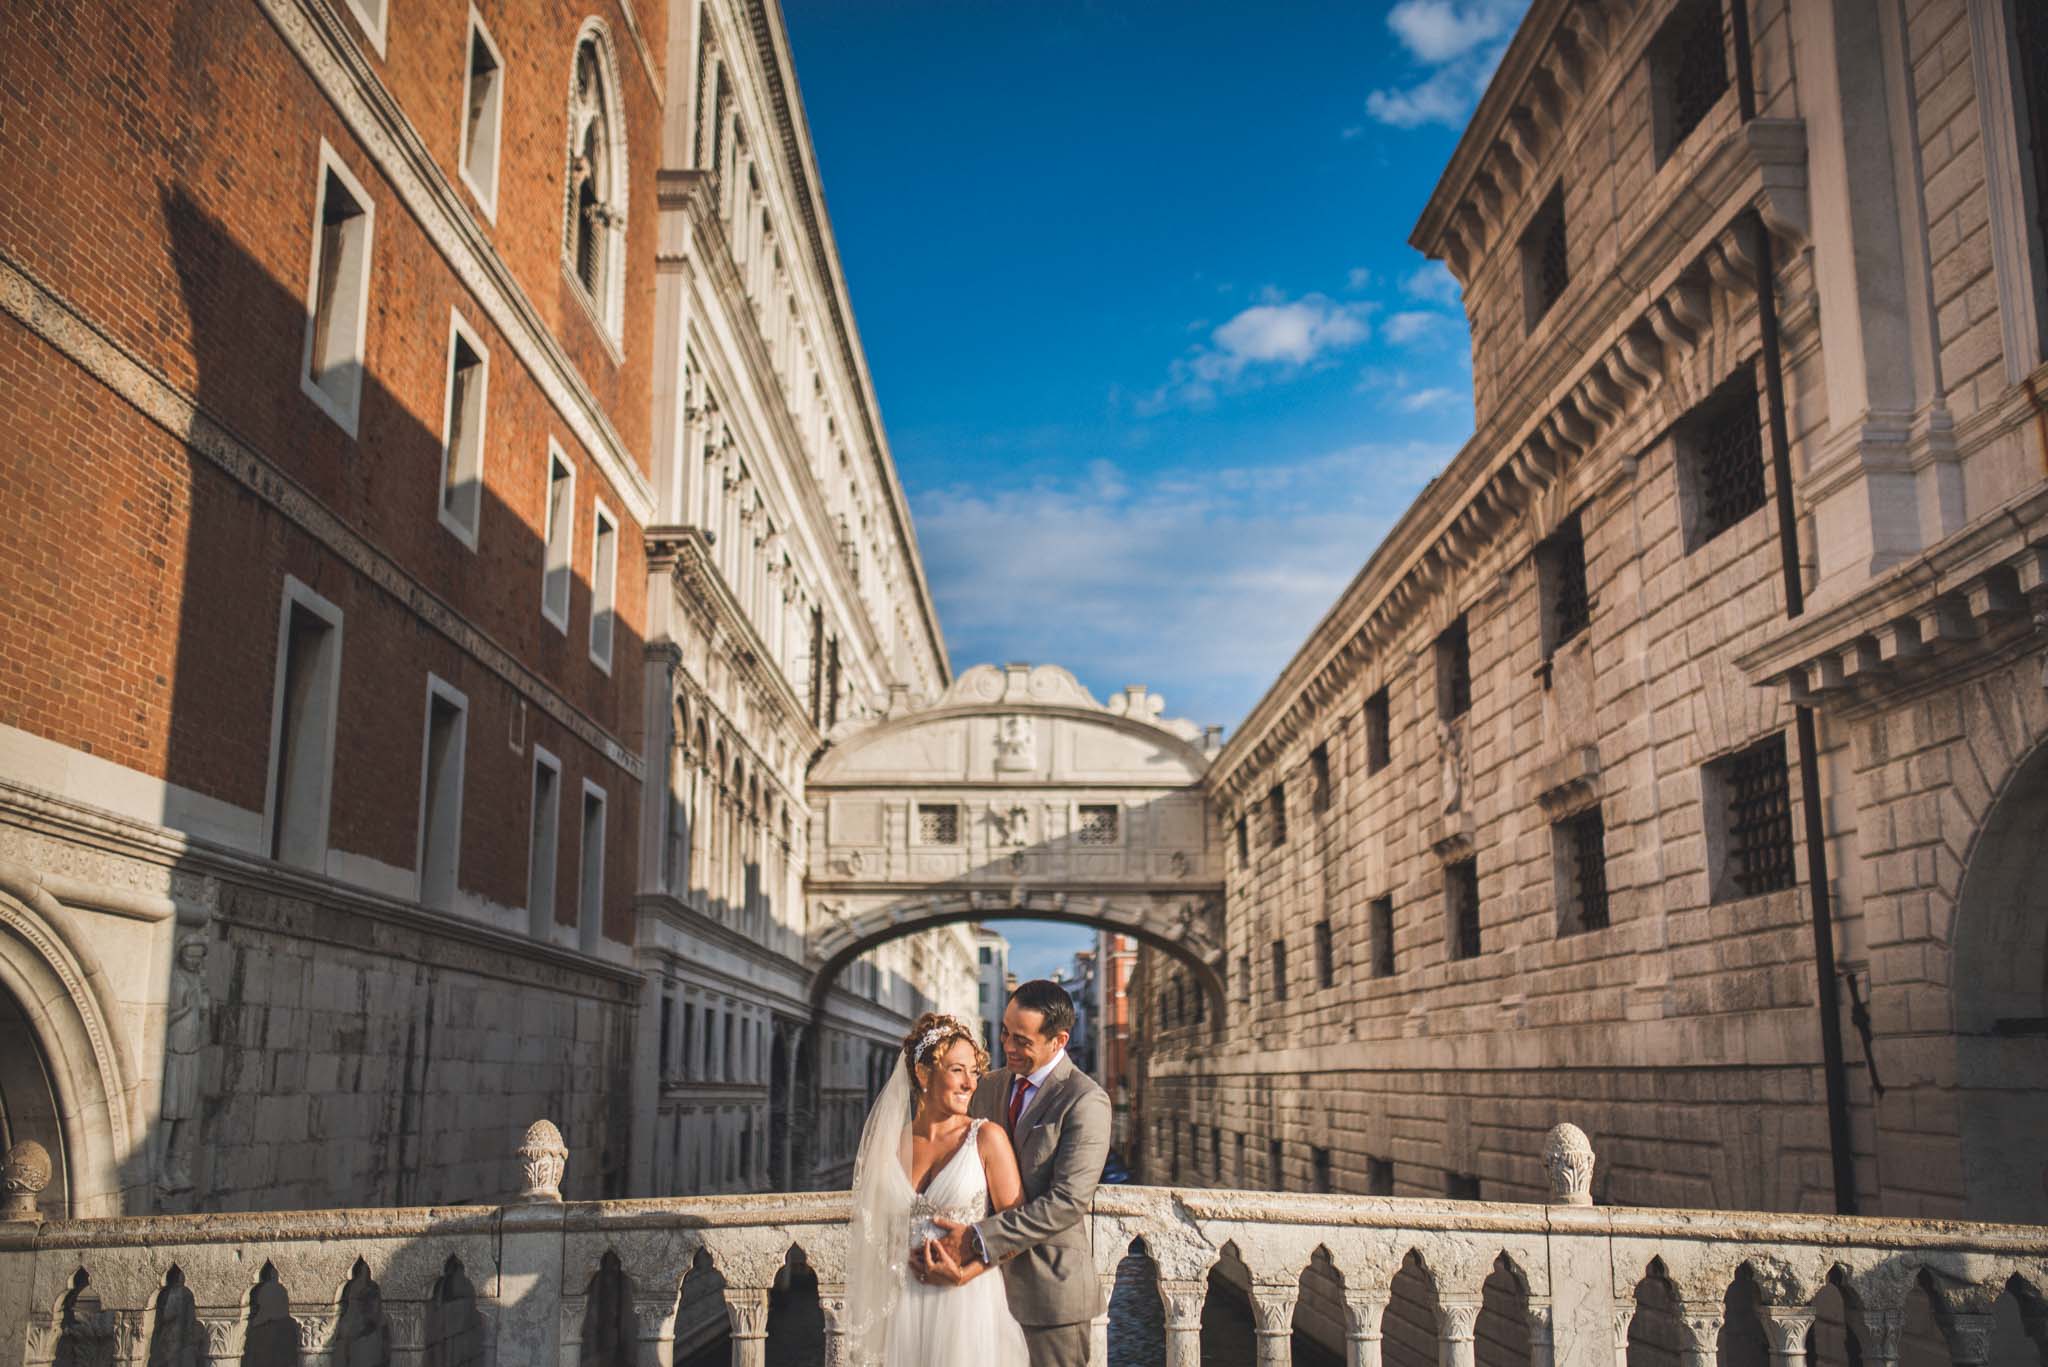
{"x":934,"y":1032}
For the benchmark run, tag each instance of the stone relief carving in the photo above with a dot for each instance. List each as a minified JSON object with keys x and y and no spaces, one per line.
{"x":1016,"y":744}
{"x":544,"y":1158}
{"x":185,"y":1031}
{"x":1451,"y":747}
{"x":1012,"y":825}
{"x":26,"y":1173}
{"x":1568,"y":1159}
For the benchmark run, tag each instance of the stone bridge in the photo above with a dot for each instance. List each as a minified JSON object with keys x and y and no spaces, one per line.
{"x":1015,"y":795}
{"x":1385,"y":1282}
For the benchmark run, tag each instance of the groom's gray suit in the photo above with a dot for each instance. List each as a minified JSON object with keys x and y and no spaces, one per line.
{"x":1061,"y":1140}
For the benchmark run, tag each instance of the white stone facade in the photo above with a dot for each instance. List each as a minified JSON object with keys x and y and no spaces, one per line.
{"x":1577,"y":643}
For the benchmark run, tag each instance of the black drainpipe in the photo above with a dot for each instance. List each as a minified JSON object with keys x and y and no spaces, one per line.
{"x":1829,"y":1003}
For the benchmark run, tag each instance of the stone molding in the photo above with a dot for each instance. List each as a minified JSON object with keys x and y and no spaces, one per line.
{"x":1979,"y":596}
{"x":315,"y":35}
{"x":52,"y":319}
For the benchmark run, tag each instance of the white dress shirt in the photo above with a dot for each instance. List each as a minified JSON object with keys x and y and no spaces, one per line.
{"x":1032,"y":1083}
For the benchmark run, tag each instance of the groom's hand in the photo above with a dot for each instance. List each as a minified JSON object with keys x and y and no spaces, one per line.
{"x":959,"y":1243}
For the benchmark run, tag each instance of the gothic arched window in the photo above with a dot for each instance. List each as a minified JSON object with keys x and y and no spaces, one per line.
{"x":594,"y":223}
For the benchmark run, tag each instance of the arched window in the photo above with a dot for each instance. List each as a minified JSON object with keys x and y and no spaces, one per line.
{"x":594,"y":224}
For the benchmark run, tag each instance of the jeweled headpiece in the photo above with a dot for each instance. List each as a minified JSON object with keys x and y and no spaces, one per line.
{"x":947,"y":1027}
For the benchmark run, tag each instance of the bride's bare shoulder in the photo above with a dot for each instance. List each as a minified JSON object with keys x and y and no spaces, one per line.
{"x":994,"y":1142}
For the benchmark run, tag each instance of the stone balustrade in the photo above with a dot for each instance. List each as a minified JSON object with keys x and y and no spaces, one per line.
{"x":1398,"y":1282}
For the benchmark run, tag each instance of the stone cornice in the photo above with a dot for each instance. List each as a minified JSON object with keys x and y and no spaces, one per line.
{"x":323,"y":46}
{"x":693,"y":193}
{"x":50,"y":317}
{"x":674,"y":911}
{"x":684,"y":556}
{"x":1610,"y":344}
{"x":771,"y":40}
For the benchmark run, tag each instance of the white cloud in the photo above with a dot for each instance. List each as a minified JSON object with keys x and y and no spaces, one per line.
{"x":1199,"y":583}
{"x":1422,"y":400}
{"x":1459,"y":43}
{"x":1433,"y":281}
{"x":1357,"y":278}
{"x":1413,"y":325}
{"x":1271,"y":337}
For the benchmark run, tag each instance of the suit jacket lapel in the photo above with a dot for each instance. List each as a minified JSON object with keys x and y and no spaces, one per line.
{"x":1041,"y":1105}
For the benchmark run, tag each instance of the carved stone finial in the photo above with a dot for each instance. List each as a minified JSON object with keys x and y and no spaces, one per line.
{"x":1568,"y":1158}
{"x":544,"y":1157}
{"x":26,"y":1173}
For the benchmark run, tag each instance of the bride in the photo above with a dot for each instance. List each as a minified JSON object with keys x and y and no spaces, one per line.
{"x":921,"y":1157}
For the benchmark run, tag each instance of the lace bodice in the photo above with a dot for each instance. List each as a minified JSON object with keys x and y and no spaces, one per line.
{"x":958,"y":1192}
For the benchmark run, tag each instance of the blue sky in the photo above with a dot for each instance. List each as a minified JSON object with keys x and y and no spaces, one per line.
{"x":1156,"y":361}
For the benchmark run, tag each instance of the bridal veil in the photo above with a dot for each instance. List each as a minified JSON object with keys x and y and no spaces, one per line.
{"x":878,"y":1236}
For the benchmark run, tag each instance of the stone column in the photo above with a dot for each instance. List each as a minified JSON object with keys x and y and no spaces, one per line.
{"x":574,"y":1308}
{"x":832,"y":1303}
{"x":1363,"y":1313}
{"x":1183,"y":1301}
{"x":1969,"y":1337}
{"x":747,"y":1308}
{"x":1098,"y":1328}
{"x":1786,"y":1327}
{"x":1273,"y":1305}
{"x":1878,"y":1333}
{"x":1624,"y":1315}
{"x":1541,"y":1350}
{"x":224,"y":1336}
{"x":1456,"y":1322}
{"x":1702,"y":1334}
{"x":655,"y":1317}
{"x":406,"y":1325}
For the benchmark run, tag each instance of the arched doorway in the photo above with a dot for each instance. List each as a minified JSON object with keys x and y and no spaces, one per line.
{"x":28,"y":1098}
{"x":1999,"y":982}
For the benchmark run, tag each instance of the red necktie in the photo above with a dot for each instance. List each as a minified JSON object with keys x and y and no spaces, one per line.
{"x":1017,"y":1101}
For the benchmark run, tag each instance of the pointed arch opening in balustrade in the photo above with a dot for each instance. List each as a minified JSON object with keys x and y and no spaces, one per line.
{"x":1228,"y":1320}
{"x":796,"y":1315}
{"x":610,"y":1335}
{"x":1742,"y":1341}
{"x":1409,"y":1335}
{"x":1137,"y":1313}
{"x":1501,"y":1333}
{"x":175,"y":1334}
{"x":362,"y":1331}
{"x":455,"y":1331}
{"x":1656,"y":1332}
{"x":703,"y":1320}
{"x":1320,"y":1314}
{"x":1833,"y":1340}
{"x":271,"y":1338}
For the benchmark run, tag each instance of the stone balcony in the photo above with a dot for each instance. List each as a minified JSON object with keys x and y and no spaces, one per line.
{"x":1390,"y":1282}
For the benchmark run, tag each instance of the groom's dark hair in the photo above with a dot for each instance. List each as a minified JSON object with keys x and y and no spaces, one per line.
{"x":1050,"y":1000}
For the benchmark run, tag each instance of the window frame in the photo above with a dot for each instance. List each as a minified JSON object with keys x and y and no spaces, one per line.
{"x":1453,"y":641}
{"x":590,"y":932}
{"x":1378,"y":713}
{"x":486,"y":196}
{"x":539,"y":929}
{"x":1554,"y":556}
{"x":346,"y":415}
{"x":460,"y":332}
{"x":440,"y":688}
{"x":1531,"y":249}
{"x":602,"y":518}
{"x":919,"y":808}
{"x":1571,"y":900}
{"x":567,"y":567}
{"x":298,"y":594}
{"x":1117,"y":824}
{"x":1461,"y":878}
{"x":375,"y":26}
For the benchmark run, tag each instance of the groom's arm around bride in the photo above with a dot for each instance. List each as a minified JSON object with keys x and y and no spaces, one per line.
{"x":1059,"y":1123}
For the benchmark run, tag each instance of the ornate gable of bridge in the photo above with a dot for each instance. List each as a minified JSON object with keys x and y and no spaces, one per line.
{"x":1016,"y":794}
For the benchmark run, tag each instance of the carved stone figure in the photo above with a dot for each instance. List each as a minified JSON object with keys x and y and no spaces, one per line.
{"x":543,"y":1158}
{"x":1451,"y":747}
{"x":1012,"y":825}
{"x":1016,"y":744}
{"x":26,"y":1173}
{"x":185,"y":1029}
{"x":1568,"y":1159}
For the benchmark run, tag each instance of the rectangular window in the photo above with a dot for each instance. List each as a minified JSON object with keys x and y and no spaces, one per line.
{"x":1545,"y":267}
{"x":1098,"y":826}
{"x":987,"y":955}
{"x":302,"y":710}
{"x":440,"y":829}
{"x":1564,"y":609}
{"x":1688,"y":73}
{"x":1454,"y":671}
{"x":1319,"y":1168}
{"x":1326,"y":954}
{"x":559,"y":538}
{"x":1244,"y":977}
{"x":688,"y":1066}
{"x":2030,"y":84}
{"x":1720,"y":453}
{"x":1201,"y":1006}
{"x":1749,"y":811}
{"x":1382,"y":913}
{"x":1379,"y":1177}
{"x":337,"y":293}
{"x":1242,"y":1176}
{"x":1216,"y":1152}
{"x":543,"y":837}
{"x":1275,"y":1175}
{"x":1461,"y":1186}
{"x":1461,"y":909}
{"x":1379,"y":733}
{"x":1244,"y":843}
{"x":372,"y":15}
{"x":604,"y":572}
{"x":1319,"y":775}
{"x":590,"y":876}
{"x":938,"y":824}
{"x":483,"y":97}
{"x":462,"y":432}
{"x":1579,"y":845}
{"x":1276,"y":812}
{"x":668,"y":1021}
{"x":1279,"y":970}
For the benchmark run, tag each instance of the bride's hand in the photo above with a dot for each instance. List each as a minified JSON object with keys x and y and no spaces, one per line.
{"x":941,"y":1268}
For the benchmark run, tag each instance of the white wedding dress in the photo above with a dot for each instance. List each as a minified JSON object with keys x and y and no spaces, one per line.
{"x":894,"y":1320}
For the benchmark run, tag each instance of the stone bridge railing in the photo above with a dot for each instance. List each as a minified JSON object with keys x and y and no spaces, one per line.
{"x":1388,"y":1282}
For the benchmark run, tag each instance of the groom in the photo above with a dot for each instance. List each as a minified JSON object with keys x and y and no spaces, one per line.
{"x":1059,"y":1122}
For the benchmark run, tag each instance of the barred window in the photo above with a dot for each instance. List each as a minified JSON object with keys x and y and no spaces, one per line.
{"x":1244,"y":843}
{"x":1216,"y":1152}
{"x":1545,"y":267}
{"x":1273,"y":1164}
{"x":1098,"y":826}
{"x":1326,"y":954}
{"x":1720,"y":446}
{"x":1580,"y":846}
{"x":1382,"y":937}
{"x":1276,"y":810}
{"x":1244,"y":977}
{"x":1461,"y":1186}
{"x":1561,"y":579}
{"x":1454,"y":671}
{"x":1319,"y":767}
{"x":1242,"y":1175}
{"x":1319,"y":1164}
{"x":1379,"y":1177}
{"x":1461,"y":909}
{"x":1749,"y":794}
{"x":1379,"y":750}
{"x":1688,"y":73}
{"x":938,"y":825}
{"x":1280,"y":970}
